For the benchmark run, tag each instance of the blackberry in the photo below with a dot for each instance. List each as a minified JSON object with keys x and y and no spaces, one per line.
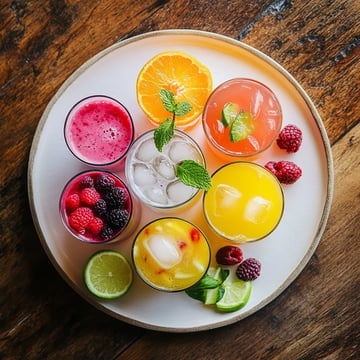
{"x":104,"y":183}
{"x":117,"y":218}
{"x":116,"y":198}
{"x":106,"y":232}
{"x":100,"y":208}
{"x":249,"y":269}
{"x":87,"y":182}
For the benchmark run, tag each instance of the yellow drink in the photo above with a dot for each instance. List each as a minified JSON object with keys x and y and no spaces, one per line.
{"x":245,"y":202}
{"x":171,"y":254}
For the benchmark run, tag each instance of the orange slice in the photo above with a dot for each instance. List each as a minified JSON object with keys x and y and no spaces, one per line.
{"x":185,"y":76}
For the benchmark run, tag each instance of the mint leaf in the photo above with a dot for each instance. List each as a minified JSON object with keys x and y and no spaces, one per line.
{"x":193,"y":174}
{"x":199,"y":291}
{"x":242,"y":127}
{"x":163,"y":133}
{"x":167,"y":98}
{"x":183,"y":108}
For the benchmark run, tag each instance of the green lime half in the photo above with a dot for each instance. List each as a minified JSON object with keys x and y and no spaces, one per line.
{"x":236,"y":295}
{"x":108,"y":274}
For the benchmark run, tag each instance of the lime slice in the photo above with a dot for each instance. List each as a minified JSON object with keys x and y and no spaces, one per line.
{"x":241,"y":127}
{"x":108,"y":274}
{"x":228,"y":114}
{"x":212,"y":296}
{"x":236,"y":295}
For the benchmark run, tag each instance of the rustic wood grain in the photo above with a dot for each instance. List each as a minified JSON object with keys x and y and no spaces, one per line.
{"x":42,"y":42}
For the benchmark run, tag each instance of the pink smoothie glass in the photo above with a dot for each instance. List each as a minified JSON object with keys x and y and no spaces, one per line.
{"x":99,"y":131}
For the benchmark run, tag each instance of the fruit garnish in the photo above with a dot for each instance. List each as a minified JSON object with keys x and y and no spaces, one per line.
{"x":80,"y":218}
{"x":249,"y":269}
{"x":229,"y":113}
{"x":236,"y":295}
{"x":72,"y":202}
{"x":229,"y":255}
{"x":108,"y":274}
{"x":193,"y":174}
{"x":182,"y":74}
{"x":241,"y":127}
{"x":287,"y":172}
{"x":89,"y":196}
{"x":290,"y":138}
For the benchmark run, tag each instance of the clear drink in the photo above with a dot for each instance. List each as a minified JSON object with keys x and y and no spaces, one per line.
{"x":151,"y":174}
{"x":245,"y":202}
{"x":170,"y":254}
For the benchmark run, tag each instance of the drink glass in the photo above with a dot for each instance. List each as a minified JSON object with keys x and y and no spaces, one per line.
{"x":151,"y":174}
{"x":245,"y":202}
{"x":99,"y":131}
{"x":249,"y":96}
{"x":171,"y":254}
{"x":105,"y":213}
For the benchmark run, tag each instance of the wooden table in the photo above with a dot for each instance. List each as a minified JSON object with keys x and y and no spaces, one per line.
{"x":43,"y":42}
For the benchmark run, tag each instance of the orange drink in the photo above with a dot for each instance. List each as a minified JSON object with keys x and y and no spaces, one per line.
{"x":170,"y":254}
{"x":245,"y":202}
{"x":256,"y":110}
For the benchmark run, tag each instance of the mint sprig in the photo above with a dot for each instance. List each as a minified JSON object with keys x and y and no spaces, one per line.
{"x":188,"y":172}
{"x":193,"y":174}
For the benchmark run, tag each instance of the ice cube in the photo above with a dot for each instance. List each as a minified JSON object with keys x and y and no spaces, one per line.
{"x":164,"y":250}
{"x":226,"y":197}
{"x":178,"y":192}
{"x":147,"y":151}
{"x":164,"y":167}
{"x":257,"y":210}
{"x":157,"y":195}
{"x":143,"y":175}
{"x":180,"y":150}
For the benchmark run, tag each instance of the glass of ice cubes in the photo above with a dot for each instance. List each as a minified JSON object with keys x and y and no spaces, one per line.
{"x":151,"y":174}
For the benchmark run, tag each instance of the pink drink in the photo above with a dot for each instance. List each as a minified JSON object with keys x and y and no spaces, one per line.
{"x":99,"y":130}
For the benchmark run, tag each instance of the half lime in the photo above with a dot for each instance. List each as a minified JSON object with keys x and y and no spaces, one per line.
{"x":108,"y":274}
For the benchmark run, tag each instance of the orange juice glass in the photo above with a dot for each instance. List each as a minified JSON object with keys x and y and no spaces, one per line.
{"x":245,"y":202}
{"x":171,"y":254}
{"x":250,"y":96}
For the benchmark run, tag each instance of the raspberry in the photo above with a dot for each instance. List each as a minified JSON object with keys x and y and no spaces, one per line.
{"x":249,"y":269}
{"x":80,"y":218}
{"x":100,"y":208}
{"x":116,"y":197}
{"x":106,"y":233}
{"x":72,"y":202}
{"x":89,"y":196}
{"x":117,"y":218}
{"x":86,"y":182}
{"x":104,"y":183}
{"x":287,"y":172}
{"x":290,"y":138}
{"x":229,"y":255}
{"x":95,"y":225}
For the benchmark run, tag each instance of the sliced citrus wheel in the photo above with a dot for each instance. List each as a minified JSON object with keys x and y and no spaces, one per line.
{"x":181,"y":73}
{"x":236,"y":295}
{"x":108,"y":274}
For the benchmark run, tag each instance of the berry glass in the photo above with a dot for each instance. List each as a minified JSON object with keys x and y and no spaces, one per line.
{"x":97,"y":207}
{"x":171,"y":254}
{"x":99,"y":131}
{"x":151,"y":174}
{"x":249,"y":96}
{"x":245,"y":202}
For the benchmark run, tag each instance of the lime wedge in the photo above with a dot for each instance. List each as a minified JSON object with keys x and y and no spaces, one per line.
{"x":241,"y":127}
{"x":212,"y":296}
{"x":228,"y":114}
{"x":108,"y":274}
{"x":236,"y":295}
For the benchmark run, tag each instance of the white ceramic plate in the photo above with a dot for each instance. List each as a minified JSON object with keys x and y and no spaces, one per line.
{"x":283,"y":254}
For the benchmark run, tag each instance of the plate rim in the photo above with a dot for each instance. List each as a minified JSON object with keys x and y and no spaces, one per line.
{"x":319,"y":123}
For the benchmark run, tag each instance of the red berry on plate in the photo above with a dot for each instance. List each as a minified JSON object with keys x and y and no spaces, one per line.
{"x":80,"y":218}
{"x":249,"y":269}
{"x":290,"y":138}
{"x":89,"y":196}
{"x":229,"y":255}
{"x":72,"y":202}
{"x":287,"y":172}
{"x":95,"y":225}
